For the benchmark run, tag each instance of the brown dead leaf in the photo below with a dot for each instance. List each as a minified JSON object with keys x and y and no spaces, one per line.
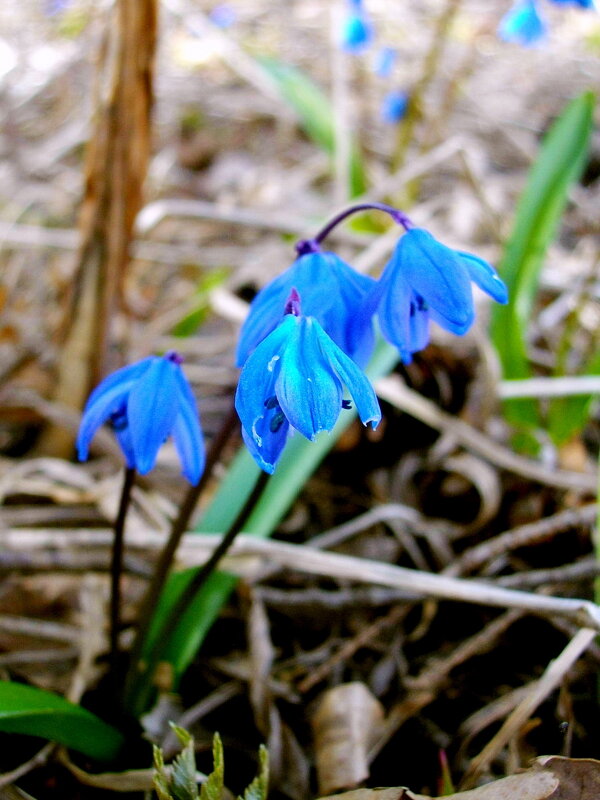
{"x":531,"y":785}
{"x":579,"y":778}
{"x":344,"y":725}
{"x":550,"y":778}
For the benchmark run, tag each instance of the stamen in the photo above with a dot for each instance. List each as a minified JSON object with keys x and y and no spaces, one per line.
{"x":347,"y":404}
{"x":277,"y":421}
{"x":272,"y":402}
{"x":118,"y":420}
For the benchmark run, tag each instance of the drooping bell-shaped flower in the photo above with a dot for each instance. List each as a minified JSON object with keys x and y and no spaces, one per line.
{"x":426,"y":280}
{"x":580,"y":3}
{"x":294,"y":379}
{"x":146,"y":403}
{"x":394,"y":106}
{"x":332,"y":292}
{"x":357,"y":31}
{"x":522,"y":24}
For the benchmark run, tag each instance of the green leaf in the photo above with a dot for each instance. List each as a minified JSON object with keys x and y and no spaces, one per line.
{"x":212,"y":788}
{"x":160,"y":778}
{"x":36,"y":712}
{"x":201,"y":302}
{"x":568,"y":415}
{"x":315,"y":114}
{"x":259,"y":788}
{"x":183,"y":770}
{"x":560,"y":163}
{"x":187,"y":633}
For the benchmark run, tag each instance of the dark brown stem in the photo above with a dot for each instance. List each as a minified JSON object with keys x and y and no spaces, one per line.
{"x":116,"y":568}
{"x":178,"y":528}
{"x":206,"y":570}
{"x":312,"y":245}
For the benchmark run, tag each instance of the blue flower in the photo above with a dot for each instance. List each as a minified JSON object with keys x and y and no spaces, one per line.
{"x":146,"y":403}
{"x":357,"y":31}
{"x":331,"y":291}
{"x":394,"y":106}
{"x":294,"y":380}
{"x":384,"y":62}
{"x":522,"y":24}
{"x":580,"y":3}
{"x":223,"y":16}
{"x":426,"y":280}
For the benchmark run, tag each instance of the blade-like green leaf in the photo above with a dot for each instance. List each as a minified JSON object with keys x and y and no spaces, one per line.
{"x":183,"y":769}
{"x":212,"y":788}
{"x":568,"y":415}
{"x":35,"y":712}
{"x":559,"y":164}
{"x":259,"y":788}
{"x":299,"y":461}
{"x":315,"y":114}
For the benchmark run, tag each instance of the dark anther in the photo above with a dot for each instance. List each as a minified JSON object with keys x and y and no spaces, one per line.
{"x":347,"y":404}
{"x":272,"y":402}
{"x":118,"y":420}
{"x":277,"y":421}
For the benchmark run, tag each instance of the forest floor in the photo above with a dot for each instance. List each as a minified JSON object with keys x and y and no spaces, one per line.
{"x":302,"y":657}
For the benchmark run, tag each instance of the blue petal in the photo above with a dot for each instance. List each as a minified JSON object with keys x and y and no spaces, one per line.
{"x":347,"y":321}
{"x":436,"y":273}
{"x":385,"y":61}
{"x":271,"y":448}
{"x":394,"y":106}
{"x":102,"y":404}
{"x":256,"y":388}
{"x":125,"y":375}
{"x":309,"y":392}
{"x":352,"y":376}
{"x":151,"y":411}
{"x":187,"y":433}
{"x":124,"y":438}
{"x":394,"y":309}
{"x":187,"y":436}
{"x":418,"y":329}
{"x":485,"y":276}
{"x":522,"y":24}
{"x":329,"y":289}
{"x":356,"y":33}
{"x":580,"y":3}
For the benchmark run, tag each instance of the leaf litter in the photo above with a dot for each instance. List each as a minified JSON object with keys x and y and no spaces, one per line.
{"x":466,"y":505}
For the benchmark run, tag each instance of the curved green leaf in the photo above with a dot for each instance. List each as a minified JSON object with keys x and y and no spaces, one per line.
{"x":313,"y":109}
{"x":299,"y":461}
{"x":559,"y":164}
{"x":36,"y":712}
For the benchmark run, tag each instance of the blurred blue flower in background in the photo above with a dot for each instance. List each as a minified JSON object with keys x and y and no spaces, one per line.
{"x":332,"y":292}
{"x":52,"y":7}
{"x":223,"y":16}
{"x":394,"y":106}
{"x":580,"y":3}
{"x":294,"y":380}
{"x":426,"y":280}
{"x":522,"y":24}
{"x":357,"y":31}
{"x":146,"y":403}
{"x":384,"y":62}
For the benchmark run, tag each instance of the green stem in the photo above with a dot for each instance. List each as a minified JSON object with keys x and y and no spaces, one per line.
{"x":414,"y":112}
